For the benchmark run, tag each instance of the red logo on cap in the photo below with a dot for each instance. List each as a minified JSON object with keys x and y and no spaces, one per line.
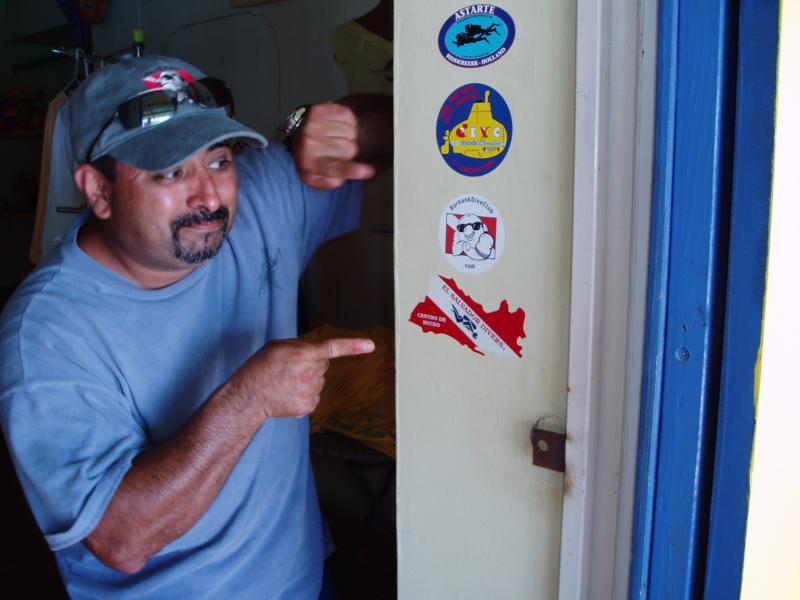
{"x":176,"y":80}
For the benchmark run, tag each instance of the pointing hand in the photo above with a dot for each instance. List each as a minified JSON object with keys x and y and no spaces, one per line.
{"x":286,"y":377}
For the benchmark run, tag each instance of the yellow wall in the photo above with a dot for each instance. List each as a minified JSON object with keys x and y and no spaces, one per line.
{"x":476,"y":519}
{"x":772,"y":548}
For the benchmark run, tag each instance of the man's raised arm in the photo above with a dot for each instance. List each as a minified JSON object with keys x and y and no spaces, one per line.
{"x":348,"y":139}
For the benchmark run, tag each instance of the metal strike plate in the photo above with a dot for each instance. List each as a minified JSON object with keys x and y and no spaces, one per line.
{"x":549,"y":449}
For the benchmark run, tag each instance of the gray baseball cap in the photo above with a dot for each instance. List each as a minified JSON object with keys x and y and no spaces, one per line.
{"x":96,"y":130}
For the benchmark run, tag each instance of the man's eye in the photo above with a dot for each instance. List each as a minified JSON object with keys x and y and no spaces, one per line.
{"x":170,"y":175}
{"x":221,"y":163}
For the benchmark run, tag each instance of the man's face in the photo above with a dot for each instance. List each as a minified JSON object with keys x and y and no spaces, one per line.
{"x":175,"y":220}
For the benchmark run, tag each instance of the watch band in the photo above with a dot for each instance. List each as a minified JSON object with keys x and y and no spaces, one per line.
{"x":293,"y":123}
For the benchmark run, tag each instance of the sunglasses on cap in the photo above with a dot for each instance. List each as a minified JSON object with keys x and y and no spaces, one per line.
{"x":475,"y":226}
{"x":154,"y":107}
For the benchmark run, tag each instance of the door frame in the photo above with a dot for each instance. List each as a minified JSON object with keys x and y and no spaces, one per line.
{"x":714,"y":150}
{"x":614,"y":139}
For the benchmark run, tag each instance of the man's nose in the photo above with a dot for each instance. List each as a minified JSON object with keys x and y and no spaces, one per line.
{"x":204,"y":193}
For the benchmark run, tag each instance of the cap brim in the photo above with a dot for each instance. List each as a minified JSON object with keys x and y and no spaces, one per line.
{"x":171,"y":143}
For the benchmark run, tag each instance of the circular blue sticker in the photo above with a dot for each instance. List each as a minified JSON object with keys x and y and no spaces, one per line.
{"x":473,"y":129}
{"x":476,"y":35}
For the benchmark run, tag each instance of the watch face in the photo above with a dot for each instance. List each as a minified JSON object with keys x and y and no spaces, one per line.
{"x":293,"y":122}
{"x":294,"y":119}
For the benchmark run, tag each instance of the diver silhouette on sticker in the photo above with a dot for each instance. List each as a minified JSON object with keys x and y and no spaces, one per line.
{"x":476,"y":36}
{"x":471,"y":233}
{"x":448,"y":310}
{"x":474,"y":129}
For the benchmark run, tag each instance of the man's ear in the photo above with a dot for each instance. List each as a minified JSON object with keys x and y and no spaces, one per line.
{"x":96,"y":188}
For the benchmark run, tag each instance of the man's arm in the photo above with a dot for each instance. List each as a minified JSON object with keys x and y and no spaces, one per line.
{"x":170,"y":487}
{"x":348,"y":139}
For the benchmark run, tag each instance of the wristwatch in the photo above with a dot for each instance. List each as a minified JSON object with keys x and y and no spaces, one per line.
{"x":293,"y":124}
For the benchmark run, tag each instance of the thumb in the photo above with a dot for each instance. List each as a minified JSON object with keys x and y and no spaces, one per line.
{"x":322,"y":183}
{"x":338,"y":168}
{"x":358,"y":171}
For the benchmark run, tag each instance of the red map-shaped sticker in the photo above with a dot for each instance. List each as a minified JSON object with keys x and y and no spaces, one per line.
{"x":448,"y":310}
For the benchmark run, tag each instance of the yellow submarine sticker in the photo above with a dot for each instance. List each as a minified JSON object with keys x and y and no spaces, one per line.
{"x":474,"y":129}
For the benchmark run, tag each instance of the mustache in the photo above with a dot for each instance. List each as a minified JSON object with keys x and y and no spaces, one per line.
{"x":221,"y":214}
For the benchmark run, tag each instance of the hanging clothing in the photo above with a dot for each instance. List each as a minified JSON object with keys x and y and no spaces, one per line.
{"x":60,"y":200}
{"x":44,"y":175}
{"x":365,"y":59}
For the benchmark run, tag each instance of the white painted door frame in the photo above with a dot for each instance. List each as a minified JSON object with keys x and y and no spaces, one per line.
{"x":614,"y":123}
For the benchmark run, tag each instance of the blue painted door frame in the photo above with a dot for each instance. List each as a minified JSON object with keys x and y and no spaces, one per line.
{"x":710,"y":217}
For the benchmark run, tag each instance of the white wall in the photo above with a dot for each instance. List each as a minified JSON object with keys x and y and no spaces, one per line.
{"x":772,"y":544}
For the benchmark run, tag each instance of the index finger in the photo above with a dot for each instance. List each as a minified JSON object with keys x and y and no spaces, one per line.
{"x":338,"y":347}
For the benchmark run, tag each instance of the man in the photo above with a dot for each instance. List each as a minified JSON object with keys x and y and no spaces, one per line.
{"x":151,"y":388}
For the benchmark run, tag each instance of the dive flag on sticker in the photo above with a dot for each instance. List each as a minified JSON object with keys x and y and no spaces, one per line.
{"x":448,"y":310}
{"x":471,"y":233}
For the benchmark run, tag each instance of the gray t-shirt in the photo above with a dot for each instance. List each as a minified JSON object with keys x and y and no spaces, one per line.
{"x":96,"y":369}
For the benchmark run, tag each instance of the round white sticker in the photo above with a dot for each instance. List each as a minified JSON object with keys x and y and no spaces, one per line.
{"x":471,"y":233}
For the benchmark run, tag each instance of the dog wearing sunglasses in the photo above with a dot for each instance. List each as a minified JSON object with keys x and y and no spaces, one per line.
{"x":472,"y":238}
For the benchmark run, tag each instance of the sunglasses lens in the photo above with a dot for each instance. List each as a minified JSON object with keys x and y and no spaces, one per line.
{"x":212,"y":92}
{"x":157,"y":108}
{"x":148,"y":109}
{"x":475,"y":226}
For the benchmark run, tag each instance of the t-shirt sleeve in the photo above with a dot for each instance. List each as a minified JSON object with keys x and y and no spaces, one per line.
{"x":284,"y":206}
{"x":72,"y":439}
